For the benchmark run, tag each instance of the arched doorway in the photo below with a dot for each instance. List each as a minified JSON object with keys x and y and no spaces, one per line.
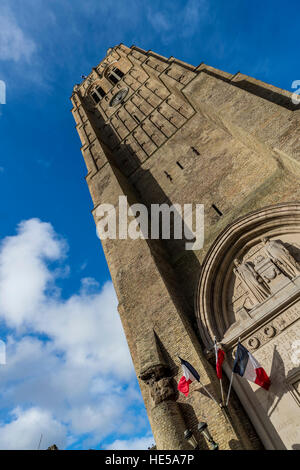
{"x":250,"y":288}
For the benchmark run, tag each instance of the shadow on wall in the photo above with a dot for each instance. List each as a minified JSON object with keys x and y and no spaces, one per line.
{"x":180,"y":283}
{"x":188,"y":411}
{"x":279,"y":385}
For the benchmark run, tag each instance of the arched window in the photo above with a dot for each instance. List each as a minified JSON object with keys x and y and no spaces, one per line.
{"x":97,"y":94}
{"x":100,"y":91}
{"x":95,"y":97}
{"x":118,"y":72}
{"x":115,"y":75}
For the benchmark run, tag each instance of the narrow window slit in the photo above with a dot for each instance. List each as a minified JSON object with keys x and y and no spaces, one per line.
{"x":168,"y":176}
{"x":195,"y":151}
{"x":217,"y":210}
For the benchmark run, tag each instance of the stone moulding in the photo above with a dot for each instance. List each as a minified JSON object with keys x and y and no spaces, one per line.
{"x":253,"y":339}
{"x":212,"y":312}
{"x":264,"y":312}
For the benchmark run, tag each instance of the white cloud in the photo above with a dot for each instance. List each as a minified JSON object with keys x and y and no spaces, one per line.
{"x":159,"y":21}
{"x":24,"y":274}
{"x":194,"y":13}
{"x":26,"y":428}
{"x":170,"y":22}
{"x":15,"y":45}
{"x":83,"y":266}
{"x":94,"y":333}
{"x":141,"y":443}
{"x":81,"y":376}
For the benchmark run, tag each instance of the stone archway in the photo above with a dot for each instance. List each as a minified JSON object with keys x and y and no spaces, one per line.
{"x":257,"y":298}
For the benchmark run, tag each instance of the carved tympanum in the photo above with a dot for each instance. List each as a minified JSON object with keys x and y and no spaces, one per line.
{"x":266,"y":268}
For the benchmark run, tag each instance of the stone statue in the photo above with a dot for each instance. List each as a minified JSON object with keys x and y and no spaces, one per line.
{"x":281,"y":257}
{"x":251,"y":280}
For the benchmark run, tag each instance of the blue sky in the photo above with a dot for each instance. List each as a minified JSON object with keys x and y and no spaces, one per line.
{"x":65,"y":347}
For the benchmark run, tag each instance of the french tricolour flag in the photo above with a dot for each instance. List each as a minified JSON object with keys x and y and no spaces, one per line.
{"x":189,"y":375}
{"x":220,"y":356}
{"x":247,"y":367}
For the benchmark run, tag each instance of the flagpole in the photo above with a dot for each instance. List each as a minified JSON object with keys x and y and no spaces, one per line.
{"x":222,"y":393}
{"x":229,"y":390}
{"x":203,"y":386}
{"x":231,"y":379}
{"x":220,"y":380}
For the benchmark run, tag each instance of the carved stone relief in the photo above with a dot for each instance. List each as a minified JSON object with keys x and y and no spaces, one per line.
{"x":161,"y":389}
{"x":263,"y":271}
{"x":153,"y":369}
{"x":273,"y":328}
{"x":158,"y":378}
{"x":281,"y":257}
{"x":256,"y":286}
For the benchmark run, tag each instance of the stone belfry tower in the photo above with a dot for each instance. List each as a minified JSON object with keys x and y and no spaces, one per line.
{"x":158,"y":130}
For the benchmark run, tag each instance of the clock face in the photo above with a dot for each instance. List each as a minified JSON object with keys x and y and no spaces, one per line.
{"x":118,"y":97}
